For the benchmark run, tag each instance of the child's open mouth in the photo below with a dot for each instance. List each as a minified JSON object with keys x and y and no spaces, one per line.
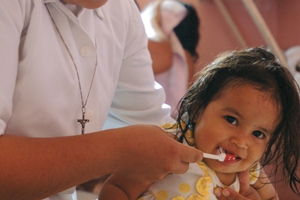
{"x":230,"y":156}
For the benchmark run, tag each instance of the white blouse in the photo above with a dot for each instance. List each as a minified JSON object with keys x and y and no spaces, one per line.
{"x":39,"y":92}
{"x":39,"y":89}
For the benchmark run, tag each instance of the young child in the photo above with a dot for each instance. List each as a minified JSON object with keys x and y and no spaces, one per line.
{"x":244,"y":103}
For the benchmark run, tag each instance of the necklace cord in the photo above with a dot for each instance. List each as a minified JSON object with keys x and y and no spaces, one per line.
{"x":77,"y":73}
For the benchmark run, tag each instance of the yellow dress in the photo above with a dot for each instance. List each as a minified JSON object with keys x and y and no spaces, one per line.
{"x":197,"y":183}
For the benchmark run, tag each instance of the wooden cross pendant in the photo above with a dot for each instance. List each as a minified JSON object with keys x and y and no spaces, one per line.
{"x":83,"y":121}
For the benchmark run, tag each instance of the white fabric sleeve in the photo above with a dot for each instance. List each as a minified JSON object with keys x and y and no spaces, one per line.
{"x":12,"y":22}
{"x":138,"y":98}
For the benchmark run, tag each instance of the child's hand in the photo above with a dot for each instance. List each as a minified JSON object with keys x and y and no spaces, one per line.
{"x":246,"y":191}
{"x":229,"y":194}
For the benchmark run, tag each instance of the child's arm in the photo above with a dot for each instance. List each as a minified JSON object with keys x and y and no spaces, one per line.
{"x":265,"y":189}
{"x":119,"y":188}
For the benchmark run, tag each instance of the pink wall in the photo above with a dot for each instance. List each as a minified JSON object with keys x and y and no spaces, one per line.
{"x":217,"y":36}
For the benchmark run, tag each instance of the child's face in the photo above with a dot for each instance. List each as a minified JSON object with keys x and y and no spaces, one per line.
{"x":241,"y":121}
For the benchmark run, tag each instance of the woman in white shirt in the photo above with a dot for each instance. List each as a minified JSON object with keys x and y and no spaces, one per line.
{"x":66,"y":71}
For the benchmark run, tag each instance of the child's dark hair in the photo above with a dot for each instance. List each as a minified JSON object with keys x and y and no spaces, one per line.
{"x":187,"y":31}
{"x":260,"y":68}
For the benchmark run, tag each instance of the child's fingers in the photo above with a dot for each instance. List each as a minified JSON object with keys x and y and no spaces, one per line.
{"x":246,"y":191}
{"x":228,"y":194}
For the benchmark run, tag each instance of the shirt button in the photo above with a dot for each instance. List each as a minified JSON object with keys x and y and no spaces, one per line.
{"x":89,"y":114}
{"x":85,"y":51}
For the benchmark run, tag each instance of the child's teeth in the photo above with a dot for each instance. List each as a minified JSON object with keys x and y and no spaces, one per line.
{"x":220,"y":150}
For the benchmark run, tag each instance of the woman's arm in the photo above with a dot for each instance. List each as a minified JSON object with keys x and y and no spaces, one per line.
{"x":119,"y":188}
{"x":35,"y":168}
{"x":161,"y":55}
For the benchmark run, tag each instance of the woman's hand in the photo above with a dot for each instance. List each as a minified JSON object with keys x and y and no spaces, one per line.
{"x":145,"y":153}
{"x":246,"y":191}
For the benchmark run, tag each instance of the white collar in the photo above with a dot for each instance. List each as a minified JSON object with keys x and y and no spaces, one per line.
{"x":98,"y":10}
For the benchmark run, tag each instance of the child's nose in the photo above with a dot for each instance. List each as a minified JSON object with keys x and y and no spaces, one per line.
{"x":241,"y":141}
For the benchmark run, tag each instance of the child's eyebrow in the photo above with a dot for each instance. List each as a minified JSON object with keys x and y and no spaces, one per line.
{"x":265,"y":130}
{"x":232,"y":110}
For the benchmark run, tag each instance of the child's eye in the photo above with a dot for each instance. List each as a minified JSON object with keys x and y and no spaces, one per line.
{"x":231,"y":120}
{"x":258,"y":134}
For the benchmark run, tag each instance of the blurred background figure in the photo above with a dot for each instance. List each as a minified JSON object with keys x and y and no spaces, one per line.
{"x":173,"y":31}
